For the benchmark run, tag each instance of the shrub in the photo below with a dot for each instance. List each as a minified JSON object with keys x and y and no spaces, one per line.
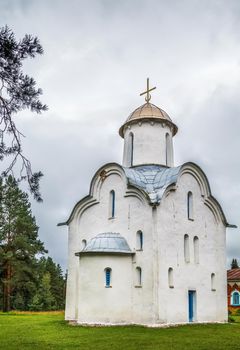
{"x":231,"y":319}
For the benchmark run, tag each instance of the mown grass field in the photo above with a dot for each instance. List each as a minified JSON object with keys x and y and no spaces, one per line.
{"x":47,"y":331}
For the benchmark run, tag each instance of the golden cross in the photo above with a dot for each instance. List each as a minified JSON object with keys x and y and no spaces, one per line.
{"x":148,"y":97}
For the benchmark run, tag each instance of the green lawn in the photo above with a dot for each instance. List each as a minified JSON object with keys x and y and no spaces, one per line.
{"x":50,"y":331}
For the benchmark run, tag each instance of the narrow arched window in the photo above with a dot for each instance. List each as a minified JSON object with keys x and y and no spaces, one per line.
{"x":84,"y":243}
{"x":170,"y":277}
{"x":186,"y":249}
{"x":108,"y":273}
{"x":235,"y":298}
{"x":213,"y":282}
{"x":112,"y":204}
{"x":138,"y":276}
{"x":190,"y":206}
{"x":130,"y":148}
{"x":196,"y":249}
{"x":139,"y":240}
{"x":168,"y":150}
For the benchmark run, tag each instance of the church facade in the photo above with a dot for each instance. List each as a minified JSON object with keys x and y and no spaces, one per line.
{"x":148,"y":244}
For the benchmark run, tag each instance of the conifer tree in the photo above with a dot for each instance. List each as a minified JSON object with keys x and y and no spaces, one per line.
{"x":19,"y":244}
{"x":43,"y":299}
{"x":17,"y":92}
{"x":234,"y":264}
{"x":54,"y":283}
{"x":57,"y":283}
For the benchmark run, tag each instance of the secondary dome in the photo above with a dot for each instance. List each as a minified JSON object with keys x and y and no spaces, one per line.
{"x":109,"y":243}
{"x":148,"y":111}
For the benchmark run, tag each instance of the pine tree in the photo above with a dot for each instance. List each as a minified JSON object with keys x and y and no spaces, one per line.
{"x":17,"y":92}
{"x":43,"y":299}
{"x":234,"y":264}
{"x":46,"y":266}
{"x":36,"y":304}
{"x":57,"y":282}
{"x":19,"y":244}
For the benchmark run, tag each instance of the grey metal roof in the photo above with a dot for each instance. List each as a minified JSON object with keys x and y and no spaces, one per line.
{"x":107,"y":242}
{"x":152,"y":179}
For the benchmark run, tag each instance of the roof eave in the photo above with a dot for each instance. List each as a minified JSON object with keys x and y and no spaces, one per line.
{"x":148,"y":118}
{"x":231,"y":225}
{"x":103,"y":253}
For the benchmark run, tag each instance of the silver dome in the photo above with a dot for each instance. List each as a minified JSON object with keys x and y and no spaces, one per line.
{"x":109,"y":243}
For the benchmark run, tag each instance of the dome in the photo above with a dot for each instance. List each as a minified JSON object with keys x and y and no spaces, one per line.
{"x":107,"y":242}
{"x":146,"y":112}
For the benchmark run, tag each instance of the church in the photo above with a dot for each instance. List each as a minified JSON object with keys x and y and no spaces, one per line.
{"x":147,"y":245}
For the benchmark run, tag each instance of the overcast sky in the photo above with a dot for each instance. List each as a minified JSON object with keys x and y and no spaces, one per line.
{"x":97,"y":56}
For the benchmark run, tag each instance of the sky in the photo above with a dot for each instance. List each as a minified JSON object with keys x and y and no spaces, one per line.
{"x":97,"y":56}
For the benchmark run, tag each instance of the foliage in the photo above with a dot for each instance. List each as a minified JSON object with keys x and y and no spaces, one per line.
{"x":231,"y":319}
{"x":50,"y":292}
{"x":17,"y":92}
{"x":234,"y":264}
{"x":19,"y":243}
{"x":49,"y":331}
{"x":26,"y":282}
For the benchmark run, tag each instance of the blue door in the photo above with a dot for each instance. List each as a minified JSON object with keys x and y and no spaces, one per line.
{"x":191,"y":305}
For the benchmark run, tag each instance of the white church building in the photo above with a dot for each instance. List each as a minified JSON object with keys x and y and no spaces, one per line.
{"x":147,"y":245}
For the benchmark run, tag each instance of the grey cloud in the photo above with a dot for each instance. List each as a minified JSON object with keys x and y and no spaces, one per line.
{"x":97,"y":56}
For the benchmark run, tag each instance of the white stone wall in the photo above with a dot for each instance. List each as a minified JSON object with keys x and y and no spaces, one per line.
{"x":173,"y":224}
{"x":98,"y":304}
{"x":149,"y":145}
{"x":163,"y":227}
{"x":72,"y":276}
{"x":131,"y":215}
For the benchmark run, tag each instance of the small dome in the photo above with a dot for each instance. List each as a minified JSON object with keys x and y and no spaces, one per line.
{"x":108,"y":242}
{"x":148,"y":111}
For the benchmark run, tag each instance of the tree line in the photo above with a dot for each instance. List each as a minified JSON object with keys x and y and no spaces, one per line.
{"x":28,"y":279}
{"x":234,"y":264}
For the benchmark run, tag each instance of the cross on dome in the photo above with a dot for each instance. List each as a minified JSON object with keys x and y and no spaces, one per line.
{"x":148,"y":97}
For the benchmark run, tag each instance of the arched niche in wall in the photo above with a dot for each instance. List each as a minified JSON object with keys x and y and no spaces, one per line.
{"x":138,"y":276}
{"x":196,"y":249}
{"x":112,"y":204}
{"x":186,"y":249}
{"x":130,"y":148}
{"x":190,"y":205}
{"x":213,"y":282}
{"x":84,"y":243}
{"x":139,"y":240}
{"x":170,"y":277}
{"x":168,"y":150}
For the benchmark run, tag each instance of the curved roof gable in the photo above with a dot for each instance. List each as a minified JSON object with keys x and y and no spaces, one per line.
{"x":152,"y":181}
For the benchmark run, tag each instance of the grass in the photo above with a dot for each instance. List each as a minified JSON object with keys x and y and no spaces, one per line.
{"x":49,"y":331}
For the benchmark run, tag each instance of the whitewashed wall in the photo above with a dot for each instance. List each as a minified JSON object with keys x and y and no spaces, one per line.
{"x":163,"y":227}
{"x":149,"y":145}
{"x":131,"y":215}
{"x":173,"y":224}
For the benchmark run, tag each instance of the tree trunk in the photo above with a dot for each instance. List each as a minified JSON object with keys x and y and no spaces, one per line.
{"x":7,"y":289}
